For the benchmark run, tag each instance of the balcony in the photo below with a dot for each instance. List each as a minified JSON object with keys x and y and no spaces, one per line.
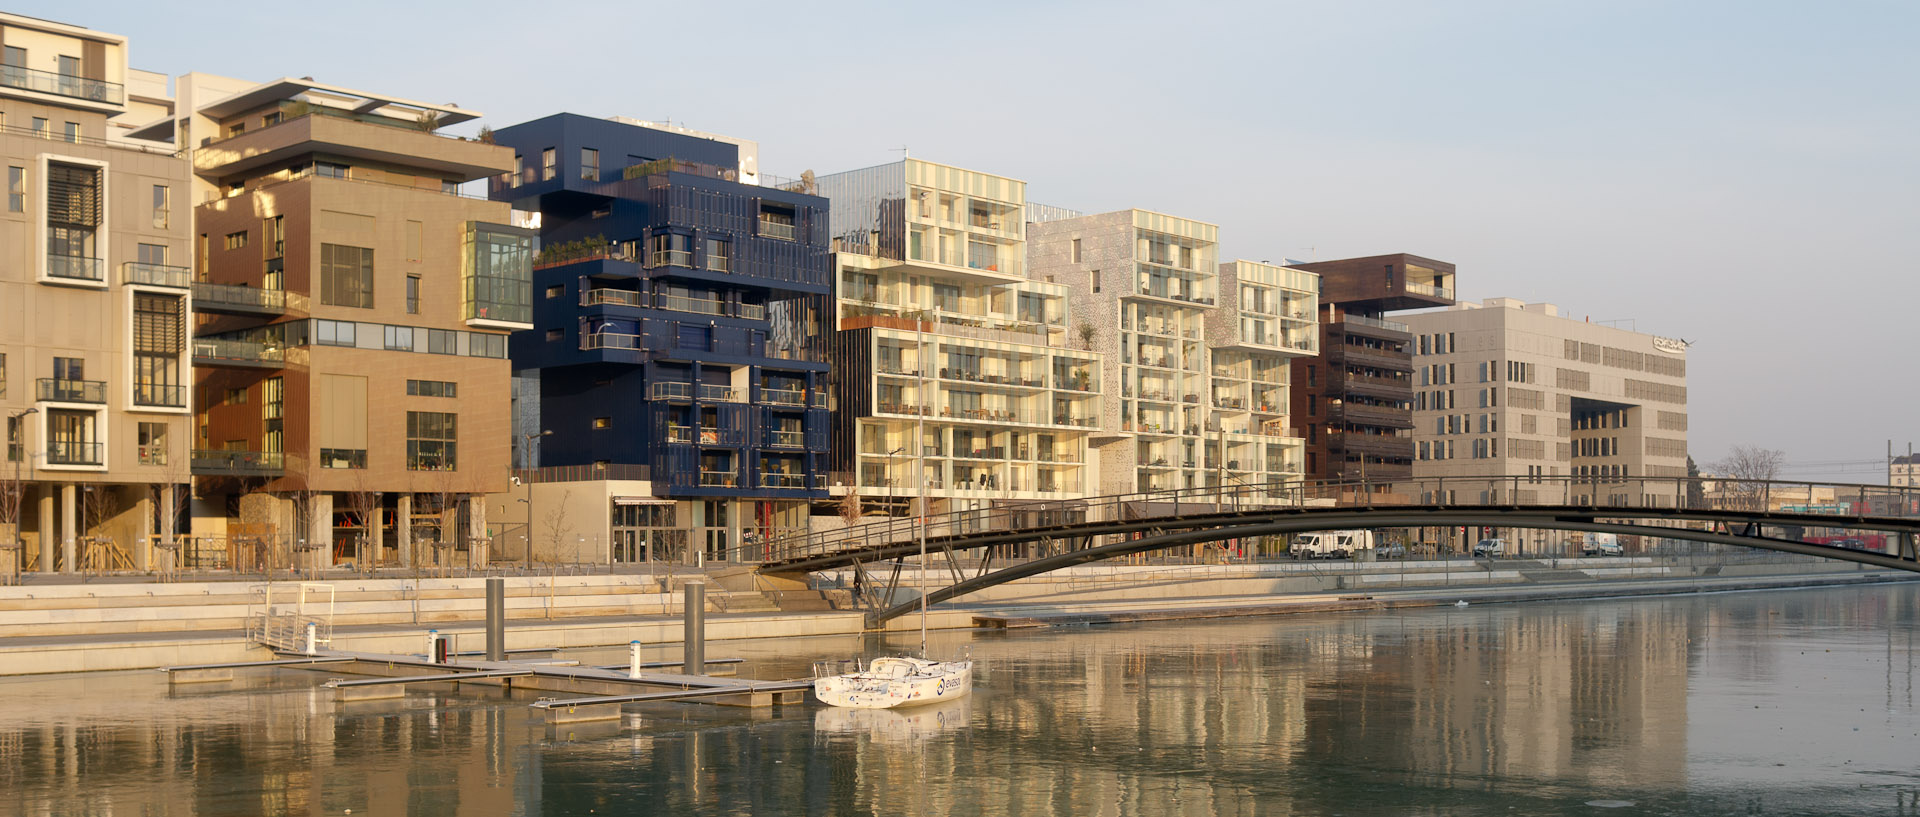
{"x":246,"y":353}
{"x":680,"y":434}
{"x":233,"y":299}
{"x":76,"y":268}
{"x":48,"y":82}
{"x":52,"y":390}
{"x":1430,"y":290}
{"x":670,"y":391}
{"x":670,"y":258}
{"x":787,"y":439}
{"x":73,"y":452}
{"x":719,"y":479}
{"x":719,"y":394}
{"x":340,"y":135}
{"x":1383,"y":416}
{"x":163,"y":396}
{"x":221,"y":462}
{"x":783,"y":397}
{"x":1368,"y":356}
{"x":777,"y":229}
{"x":155,"y":275}
{"x":1379,"y":445}
{"x":783,"y":480}
{"x":1375,"y":323}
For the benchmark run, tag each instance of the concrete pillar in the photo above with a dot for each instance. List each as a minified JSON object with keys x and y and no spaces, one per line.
{"x":320,"y":531}
{"x":479,"y":545}
{"x":49,"y":527}
{"x":142,"y":550}
{"x":69,"y":535}
{"x":376,"y":532}
{"x":403,"y":528}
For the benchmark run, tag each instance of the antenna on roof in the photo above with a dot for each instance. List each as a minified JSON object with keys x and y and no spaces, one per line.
{"x":903,"y":152}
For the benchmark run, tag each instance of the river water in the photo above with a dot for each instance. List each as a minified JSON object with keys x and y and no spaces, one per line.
{"x":1789,"y":702}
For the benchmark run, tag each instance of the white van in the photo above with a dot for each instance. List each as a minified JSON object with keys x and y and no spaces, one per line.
{"x":1600,"y":544}
{"x":1331,"y":544}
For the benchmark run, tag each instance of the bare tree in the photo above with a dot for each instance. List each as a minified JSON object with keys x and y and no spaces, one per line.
{"x":440,"y":528}
{"x":1748,"y":469}
{"x":100,"y":504}
{"x":850,"y":507}
{"x":362,"y":503}
{"x":173,"y":508}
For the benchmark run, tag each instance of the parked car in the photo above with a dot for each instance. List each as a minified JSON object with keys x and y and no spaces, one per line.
{"x":1489,"y":548}
{"x":1390,"y":550}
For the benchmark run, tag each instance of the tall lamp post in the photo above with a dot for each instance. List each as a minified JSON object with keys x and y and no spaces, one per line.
{"x":530,"y":471}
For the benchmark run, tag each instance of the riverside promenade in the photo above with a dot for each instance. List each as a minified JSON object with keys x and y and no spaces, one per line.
{"x":74,"y":624}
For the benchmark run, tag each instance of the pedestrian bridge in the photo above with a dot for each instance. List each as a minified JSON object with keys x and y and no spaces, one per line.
{"x":1049,"y":535}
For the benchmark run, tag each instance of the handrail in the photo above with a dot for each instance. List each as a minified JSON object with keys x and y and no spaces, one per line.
{"x":48,"y":82}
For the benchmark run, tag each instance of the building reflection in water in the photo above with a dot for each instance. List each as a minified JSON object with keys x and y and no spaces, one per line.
{"x":1463,"y":707}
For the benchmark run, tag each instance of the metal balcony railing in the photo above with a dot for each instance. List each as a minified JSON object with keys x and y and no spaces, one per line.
{"x":156,"y":394}
{"x":71,"y":391}
{"x":74,"y":452}
{"x":1392,"y":326}
{"x":212,"y":350}
{"x":75,"y":267}
{"x":719,"y":394}
{"x":670,"y":258}
{"x":48,"y":82}
{"x":679,"y":434}
{"x":159,"y":275}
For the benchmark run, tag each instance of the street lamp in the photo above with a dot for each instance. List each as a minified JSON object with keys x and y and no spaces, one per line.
{"x":530,"y":472}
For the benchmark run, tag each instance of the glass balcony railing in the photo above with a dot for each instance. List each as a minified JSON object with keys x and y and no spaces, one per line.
{"x":245,"y":351}
{"x":158,"y":275}
{"x":1430,"y":290}
{"x":1393,"y":326}
{"x":75,"y":452}
{"x":223,"y":461}
{"x":671,"y":391}
{"x":75,"y":267}
{"x":817,"y":400}
{"x":719,"y":479}
{"x":679,"y":434}
{"x":72,"y":391}
{"x":719,"y":394}
{"x":214,"y":295}
{"x":670,"y":258}
{"x":48,"y":82}
{"x":787,"y":439}
{"x":783,"y":397}
{"x":777,"y":229}
{"x":783,"y":480}
{"x":154,"y":394}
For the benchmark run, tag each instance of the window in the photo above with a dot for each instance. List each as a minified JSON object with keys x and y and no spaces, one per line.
{"x":400,"y":338}
{"x":74,"y":214}
{"x":484,"y":345}
{"x":1076,"y":251}
{"x":547,"y":164}
{"x":160,"y":209}
{"x":40,"y":127}
{"x":159,"y":336}
{"x":590,"y":164}
{"x":719,"y":255}
{"x":603,"y":422}
{"x":556,"y":291}
{"x":431,"y":437}
{"x":497,"y":279}
{"x":236,"y":397}
{"x":15,"y":450}
{"x":334,"y":333}
{"x":554,"y":335}
{"x":343,"y":458}
{"x":1095,"y":278}
{"x":346,"y":276}
{"x":413,"y":294}
{"x":153,"y":443}
{"x":3,"y":374}
{"x":442,"y":342}
{"x":73,"y":132}
{"x":236,"y":129}
{"x":432,"y":388}
{"x":236,"y":240}
{"x":330,"y":170}
{"x":16,"y":189}
{"x":272,"y":119}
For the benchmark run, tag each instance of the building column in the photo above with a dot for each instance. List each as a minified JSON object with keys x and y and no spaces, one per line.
{"x":69,"y":539}
{"x":479,"y":545}
{"x":49,"y":527}
{"x":403,"y":528}
{"x":142,"y":551}
{"x":320,"y":531}
{"x":376,"y":538}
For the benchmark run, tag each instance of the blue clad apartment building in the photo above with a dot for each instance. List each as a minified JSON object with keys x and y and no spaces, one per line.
{"x":678,"y":331}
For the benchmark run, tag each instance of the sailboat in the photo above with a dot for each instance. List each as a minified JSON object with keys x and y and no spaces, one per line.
{"x":897,"y":681}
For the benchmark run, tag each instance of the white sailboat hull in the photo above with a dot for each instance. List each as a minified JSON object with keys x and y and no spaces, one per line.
{"x":894,"y":683}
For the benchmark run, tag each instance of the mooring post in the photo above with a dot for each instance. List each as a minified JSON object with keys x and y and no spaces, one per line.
{"x":496,"y":619}
{"x":313,"y":638}
{"x":694,"y":637}
{"x":433,"y":646}
{"x":633,"y":659}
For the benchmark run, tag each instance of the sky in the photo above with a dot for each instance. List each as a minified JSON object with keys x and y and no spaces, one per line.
{"x":1739,"y":174}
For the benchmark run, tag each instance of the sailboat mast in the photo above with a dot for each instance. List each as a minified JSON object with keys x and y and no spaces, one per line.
{"x":920,"y":479}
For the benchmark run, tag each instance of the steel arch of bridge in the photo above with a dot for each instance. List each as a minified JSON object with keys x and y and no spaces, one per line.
{"x":1178,"y":518}
{"x":1383,"y":519}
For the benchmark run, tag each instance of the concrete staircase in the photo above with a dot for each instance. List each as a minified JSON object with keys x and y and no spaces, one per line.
{"x":107,"y":608}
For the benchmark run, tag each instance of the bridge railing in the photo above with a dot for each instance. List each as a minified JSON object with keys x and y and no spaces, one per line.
{"x":1601,"y":493}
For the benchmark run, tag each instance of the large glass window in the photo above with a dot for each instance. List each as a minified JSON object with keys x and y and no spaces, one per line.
{"x":16,"y":189}
{"x":73,"y":217}
{"x":431,"y":441}
{"x":334,"y":333}
{"x":346,"y":276}
{"x":159,"y":336}
{"x":153,"y":443}
{"x":498,"y":274}
{"x":590,"y":164}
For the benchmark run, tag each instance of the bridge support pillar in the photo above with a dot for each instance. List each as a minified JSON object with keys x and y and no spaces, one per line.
{"x":1909,"y":549}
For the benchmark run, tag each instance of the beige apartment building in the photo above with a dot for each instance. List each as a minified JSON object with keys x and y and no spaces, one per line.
{"x":1266,"y":318}
{"x":352,"y":309}
{"x":957,"y":376}
{"x":94,"y":303}
{"x":1506,"y":388}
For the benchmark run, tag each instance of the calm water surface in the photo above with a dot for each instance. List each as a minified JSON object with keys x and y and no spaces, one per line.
{"x":1766,"y":703}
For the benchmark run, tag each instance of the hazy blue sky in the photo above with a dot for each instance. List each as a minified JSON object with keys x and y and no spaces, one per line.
{"x":1740,"y":174}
